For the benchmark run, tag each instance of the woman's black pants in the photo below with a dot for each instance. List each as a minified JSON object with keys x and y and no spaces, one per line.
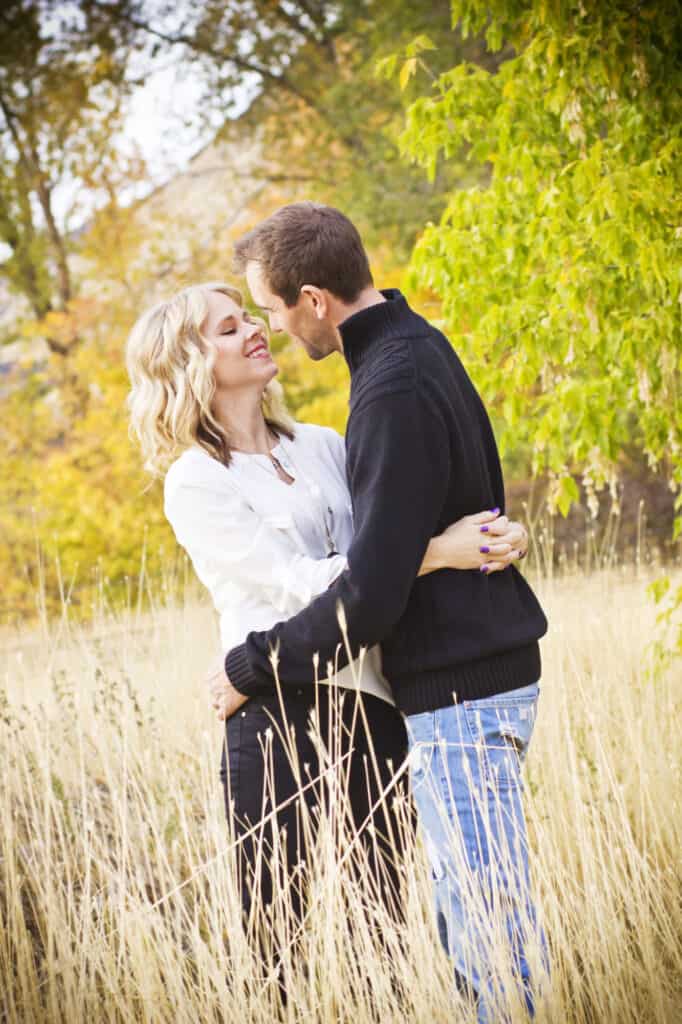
{"x":361,"y":754}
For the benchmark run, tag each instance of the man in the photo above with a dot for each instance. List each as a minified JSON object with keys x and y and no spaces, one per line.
{"x":460,"y":649}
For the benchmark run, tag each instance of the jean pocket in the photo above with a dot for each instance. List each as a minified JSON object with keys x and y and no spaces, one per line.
{"x":419,"y":760}
{"x":501,"y":730}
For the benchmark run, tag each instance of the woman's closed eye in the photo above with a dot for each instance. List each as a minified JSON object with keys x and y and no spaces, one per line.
{"x":233,"y":330}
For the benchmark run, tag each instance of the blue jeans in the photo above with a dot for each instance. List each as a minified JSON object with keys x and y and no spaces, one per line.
{"x":465,"y":769}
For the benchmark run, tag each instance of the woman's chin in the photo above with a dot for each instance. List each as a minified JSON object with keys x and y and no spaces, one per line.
{"x":265,"y":369}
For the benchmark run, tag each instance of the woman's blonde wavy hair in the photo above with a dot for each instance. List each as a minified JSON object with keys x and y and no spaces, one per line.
{"x":170,"y":365}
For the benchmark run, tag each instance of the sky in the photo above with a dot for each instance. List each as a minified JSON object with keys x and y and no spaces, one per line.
{"x":162,"y":120}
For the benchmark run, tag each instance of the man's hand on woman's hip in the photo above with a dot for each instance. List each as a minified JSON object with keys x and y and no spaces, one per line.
{"x":225,"y":699}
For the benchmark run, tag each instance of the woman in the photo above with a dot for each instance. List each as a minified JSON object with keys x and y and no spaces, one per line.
{"x":262,"y":507}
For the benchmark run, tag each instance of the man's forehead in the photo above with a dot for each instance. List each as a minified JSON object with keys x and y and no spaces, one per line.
{"x":257,"y":282}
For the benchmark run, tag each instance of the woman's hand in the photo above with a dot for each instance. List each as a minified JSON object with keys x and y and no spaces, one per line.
{"x":486,"y":541}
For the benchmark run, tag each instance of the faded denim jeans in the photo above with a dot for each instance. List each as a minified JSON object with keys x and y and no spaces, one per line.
{"x":465,"y":770}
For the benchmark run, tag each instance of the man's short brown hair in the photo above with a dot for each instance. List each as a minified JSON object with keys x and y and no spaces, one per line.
{"x":307,"y":243}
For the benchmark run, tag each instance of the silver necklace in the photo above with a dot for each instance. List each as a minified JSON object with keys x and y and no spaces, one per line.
{"x":279,"y":467}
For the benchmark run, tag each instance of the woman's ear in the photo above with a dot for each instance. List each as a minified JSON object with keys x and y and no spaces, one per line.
{"x":317,"y":297}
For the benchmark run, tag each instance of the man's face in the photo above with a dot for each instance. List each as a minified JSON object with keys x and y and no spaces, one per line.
{"x":303,"y":322}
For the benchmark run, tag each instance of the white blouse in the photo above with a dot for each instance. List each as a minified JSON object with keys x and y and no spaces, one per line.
{"x":262,"y":546}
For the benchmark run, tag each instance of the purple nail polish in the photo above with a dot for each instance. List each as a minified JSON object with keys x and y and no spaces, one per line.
{"x":484,"y":568}
{"x":484,"y":550}
{"x":484,"y":529}
{"x":494,"y":511}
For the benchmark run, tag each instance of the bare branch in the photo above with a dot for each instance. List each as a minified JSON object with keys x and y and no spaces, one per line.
{"x":242,"y":63}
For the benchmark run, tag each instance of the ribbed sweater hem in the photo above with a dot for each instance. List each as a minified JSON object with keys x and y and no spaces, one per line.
{"x":426,"y":691}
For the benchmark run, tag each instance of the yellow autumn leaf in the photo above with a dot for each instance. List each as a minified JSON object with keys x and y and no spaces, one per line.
{"x":407,"y":70}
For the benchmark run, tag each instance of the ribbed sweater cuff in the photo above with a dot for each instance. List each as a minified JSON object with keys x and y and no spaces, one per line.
{"x":239,"y":671}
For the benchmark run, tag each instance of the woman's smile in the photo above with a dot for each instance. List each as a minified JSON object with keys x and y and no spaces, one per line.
{"x":258,"y":351}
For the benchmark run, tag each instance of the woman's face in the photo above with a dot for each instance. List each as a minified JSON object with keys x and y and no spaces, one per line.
{"x":242,"y":354}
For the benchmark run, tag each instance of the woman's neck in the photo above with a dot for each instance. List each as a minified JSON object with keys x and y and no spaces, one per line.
{"x":241,"y":415}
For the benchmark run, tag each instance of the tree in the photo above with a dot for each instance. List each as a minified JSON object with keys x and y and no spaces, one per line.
{"x":60,"y":106}
{"x":560,"y":279}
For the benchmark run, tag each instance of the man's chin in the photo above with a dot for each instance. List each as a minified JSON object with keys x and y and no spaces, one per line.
{"x":311,"y":350}
{"x":315,"y":354}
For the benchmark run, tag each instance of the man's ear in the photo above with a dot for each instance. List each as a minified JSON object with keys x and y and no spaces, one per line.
{"x":318,"y":300}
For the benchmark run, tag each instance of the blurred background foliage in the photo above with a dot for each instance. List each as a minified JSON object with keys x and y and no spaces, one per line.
{"x":514,"y":166}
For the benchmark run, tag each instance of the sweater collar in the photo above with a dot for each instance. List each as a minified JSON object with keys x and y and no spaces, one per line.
{"x":363,"y":329}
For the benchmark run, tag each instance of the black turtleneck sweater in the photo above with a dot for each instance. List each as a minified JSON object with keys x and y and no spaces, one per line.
{"x":420,"y":454}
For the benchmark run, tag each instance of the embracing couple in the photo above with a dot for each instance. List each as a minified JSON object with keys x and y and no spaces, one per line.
{"x":391,"y":548}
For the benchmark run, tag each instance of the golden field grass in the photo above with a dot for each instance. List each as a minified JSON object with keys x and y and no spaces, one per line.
{"x":116,"y":883}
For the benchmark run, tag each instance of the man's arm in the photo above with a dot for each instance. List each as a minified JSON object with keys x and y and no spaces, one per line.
{"x":398,"y":467}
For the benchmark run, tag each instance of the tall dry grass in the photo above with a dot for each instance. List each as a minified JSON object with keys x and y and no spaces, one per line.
{"x":117,"y":884}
